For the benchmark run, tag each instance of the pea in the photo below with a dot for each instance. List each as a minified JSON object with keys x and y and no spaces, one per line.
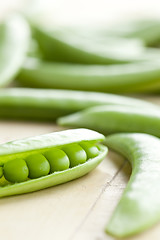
{"x":90,"y":149}
{"x":34,"y":152}
{"x":38,"y":165}
{"x":16,"y":170}
{"x":76,"y":154}
{"x":58,"y":160}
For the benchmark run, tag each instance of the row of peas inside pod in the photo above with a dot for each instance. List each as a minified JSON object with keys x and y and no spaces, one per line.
{"x":56,"y":159}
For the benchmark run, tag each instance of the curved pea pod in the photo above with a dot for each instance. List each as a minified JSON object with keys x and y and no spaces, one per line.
{"x":14,"y":43}
{"x":120,"y":78}
{"x":114,"y":119}
{"x":63,"y":45}
{"x":48,"y":104}
{"x":139,"y":206}
{"x":32,"y":150}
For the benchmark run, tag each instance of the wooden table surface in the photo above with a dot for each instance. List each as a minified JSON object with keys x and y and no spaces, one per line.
{"x":72,"y":211}
{"x":75,"y":210}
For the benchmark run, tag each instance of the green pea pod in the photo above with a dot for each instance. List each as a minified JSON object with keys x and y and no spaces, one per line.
{"x":32,"y":151}
{"x":122,"y":78}
{"x":148,"y":30}
{"x":114,"y":119}
{"x":14,"y":43}
{"x":139,"y":206}
{"x":34,"y":51}
{"x":51,"y":104}
{"x":67,"y":46}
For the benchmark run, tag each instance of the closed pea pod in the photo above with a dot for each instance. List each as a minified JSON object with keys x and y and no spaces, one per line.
{"x":47,"y":104}
{"x":14,"y":43}
{"x":146,"y":29}
{"x":114,"y":119}
{"x":36,"y":156}
{"x":139,"y":206}
{"x":64,"y":46}
{"x":123,"y":78}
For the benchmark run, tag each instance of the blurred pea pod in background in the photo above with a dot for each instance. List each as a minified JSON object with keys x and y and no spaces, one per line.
{"x":48,"y":105}
{"x":79,"y":61}
{"x":14,"y":44}
{"x":78,"y":46}
{"x":63,"y":45}
{"x":148,"y":30}
{"x":118,"y":78}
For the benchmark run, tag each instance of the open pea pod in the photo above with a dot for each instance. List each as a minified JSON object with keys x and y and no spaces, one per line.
{"x":139,"y":206}
{"x":39,"y":162}
{"x":14,"y":43}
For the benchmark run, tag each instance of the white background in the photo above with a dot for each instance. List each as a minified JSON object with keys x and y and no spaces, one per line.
{"x":84,"y":12}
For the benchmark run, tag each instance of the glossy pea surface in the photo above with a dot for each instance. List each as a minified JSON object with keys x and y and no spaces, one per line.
{"x":16,"y":171}
{"x":90,"y":149}
{"x":38,"y":165}
{"x":58,"y":160}
{"x":76,"y":154}
{"x":31,"y":151}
